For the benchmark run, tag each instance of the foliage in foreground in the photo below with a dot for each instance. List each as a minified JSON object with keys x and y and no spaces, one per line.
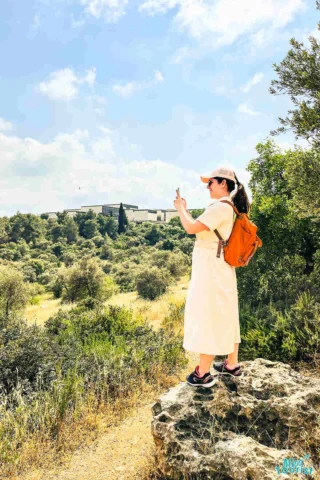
{"x":80,"y":360}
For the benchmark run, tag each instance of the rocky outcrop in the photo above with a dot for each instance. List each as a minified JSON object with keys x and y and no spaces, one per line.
{"x":251,"y":427}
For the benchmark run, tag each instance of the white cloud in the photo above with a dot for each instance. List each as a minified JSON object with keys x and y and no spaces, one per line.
{"x":180,"y":55}
{"x":38,"y":177}
{"x":106,"y":130}
{"x":5,"y":125}
{"x":110,"y":10}
{"x":158,"y":77}
{"x":131,"y":87}
{"x":226,"y":20}
{"x":243,"y":108}
{"x":64,"y":84}
{"x":153,"y":7}
{"x":261,"y":37}
{"x":256,"y":79}
{"x":90,"y":78}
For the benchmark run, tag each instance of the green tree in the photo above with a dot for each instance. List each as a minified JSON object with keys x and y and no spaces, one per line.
{"x":61,"y":216}
{"x":14,"y":293}
{"x":284,"y":264}
{"x":153,"y":235}
{"x":70,"y":229}
{"x":106,"y":249}
{"x":303,"y":175}
{"x":102,"y":220}
{"x":299,"y":77}
{"x":27,"y":226}
{"x":55,"y":231}
{"x":81,"y":218}
{"x":152,"y":282}
{"x":122,"y":221}
{"x":4,"y":230}
{"x":90,"y":228}
{"x":283,"y":230}
{"x":107,"y":224}
{"x":69,"y":258}
{"x":83,"y":280}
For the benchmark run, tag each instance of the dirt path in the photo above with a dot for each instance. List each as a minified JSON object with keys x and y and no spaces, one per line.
{"x":125,"y":452}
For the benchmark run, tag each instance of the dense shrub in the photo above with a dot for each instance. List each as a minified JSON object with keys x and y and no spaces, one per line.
{"x":84,"y":279}
{"x":299,"y":329}
{"x":69,"y":258}
{"x":75,"y":363}
{"x":14,"y":293}
{"x":152,"y":282}
{"x":176,"y":263}
{"x":124,"y":274}
{"x":289,"y":337}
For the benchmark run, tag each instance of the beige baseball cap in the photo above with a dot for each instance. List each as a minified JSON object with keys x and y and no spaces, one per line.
{"x":223,"y":172}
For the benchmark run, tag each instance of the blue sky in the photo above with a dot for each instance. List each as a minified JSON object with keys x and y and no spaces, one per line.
{"x":108,"y":101}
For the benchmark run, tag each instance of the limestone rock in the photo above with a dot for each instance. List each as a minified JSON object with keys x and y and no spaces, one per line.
{"x":240,"y":428}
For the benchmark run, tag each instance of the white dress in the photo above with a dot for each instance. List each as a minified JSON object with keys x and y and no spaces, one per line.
{"x":211,"y":317}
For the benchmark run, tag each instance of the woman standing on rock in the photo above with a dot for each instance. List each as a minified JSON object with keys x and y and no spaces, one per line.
{"x":211,"y":318}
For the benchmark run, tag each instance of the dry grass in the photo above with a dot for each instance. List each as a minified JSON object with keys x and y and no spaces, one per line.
{"x":48,"y":307}
{"x":109,"y":429}
{"x":155,"y":310}
{"x":112,"y":443}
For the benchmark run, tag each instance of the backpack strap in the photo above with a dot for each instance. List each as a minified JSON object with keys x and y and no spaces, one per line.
{"x":234,"y":208}
{"x":222,"y":242}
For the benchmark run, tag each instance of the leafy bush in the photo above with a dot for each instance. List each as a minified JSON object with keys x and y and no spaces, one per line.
{"x":14,"y":292}
{"x":106,"y":266}
{"x":82,"y":280}
{"x":106,"y":251}
{"x":69,"y":258}
{"x":52,"y":376}
{"x":35,"y":300}
{"x":289,"y":336}
{"x":152,"y":282}
{"x":300,"y":330}
{"x":124,"y":274}
{"x":174,"y":320}
{"x":26,"y":354}
{"x":176,"y":262}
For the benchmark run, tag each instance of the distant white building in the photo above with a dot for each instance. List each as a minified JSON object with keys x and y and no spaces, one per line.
{"x":96,"y":208}
{"x":144,"y":215}
{"x":51,"y":214}
{"x":133,"y":213}
{"x":71,"y":212}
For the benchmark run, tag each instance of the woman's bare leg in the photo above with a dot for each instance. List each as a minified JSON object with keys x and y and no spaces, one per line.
{"x":205,"y":363}
{"x":233,"y":357}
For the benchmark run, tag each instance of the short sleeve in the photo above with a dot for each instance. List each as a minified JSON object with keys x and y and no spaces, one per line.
{"x":213,"y":216}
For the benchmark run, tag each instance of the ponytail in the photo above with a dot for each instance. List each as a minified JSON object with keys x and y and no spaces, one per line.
{"x":240,"y":198}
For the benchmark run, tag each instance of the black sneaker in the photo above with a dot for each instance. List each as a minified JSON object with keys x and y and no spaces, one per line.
{"x":221,"y":367}
{"x":195,"y":381}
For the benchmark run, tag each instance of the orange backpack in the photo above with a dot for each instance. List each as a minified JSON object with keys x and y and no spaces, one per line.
{"x":243,"y":241}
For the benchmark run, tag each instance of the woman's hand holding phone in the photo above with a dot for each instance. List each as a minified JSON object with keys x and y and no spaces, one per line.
{"x":179,"y":202}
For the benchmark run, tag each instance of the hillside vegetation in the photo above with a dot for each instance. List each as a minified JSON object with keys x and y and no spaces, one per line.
{"x":94,"y":354}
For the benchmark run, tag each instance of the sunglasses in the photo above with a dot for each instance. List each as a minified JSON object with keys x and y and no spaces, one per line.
{"x":209,"y":183}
